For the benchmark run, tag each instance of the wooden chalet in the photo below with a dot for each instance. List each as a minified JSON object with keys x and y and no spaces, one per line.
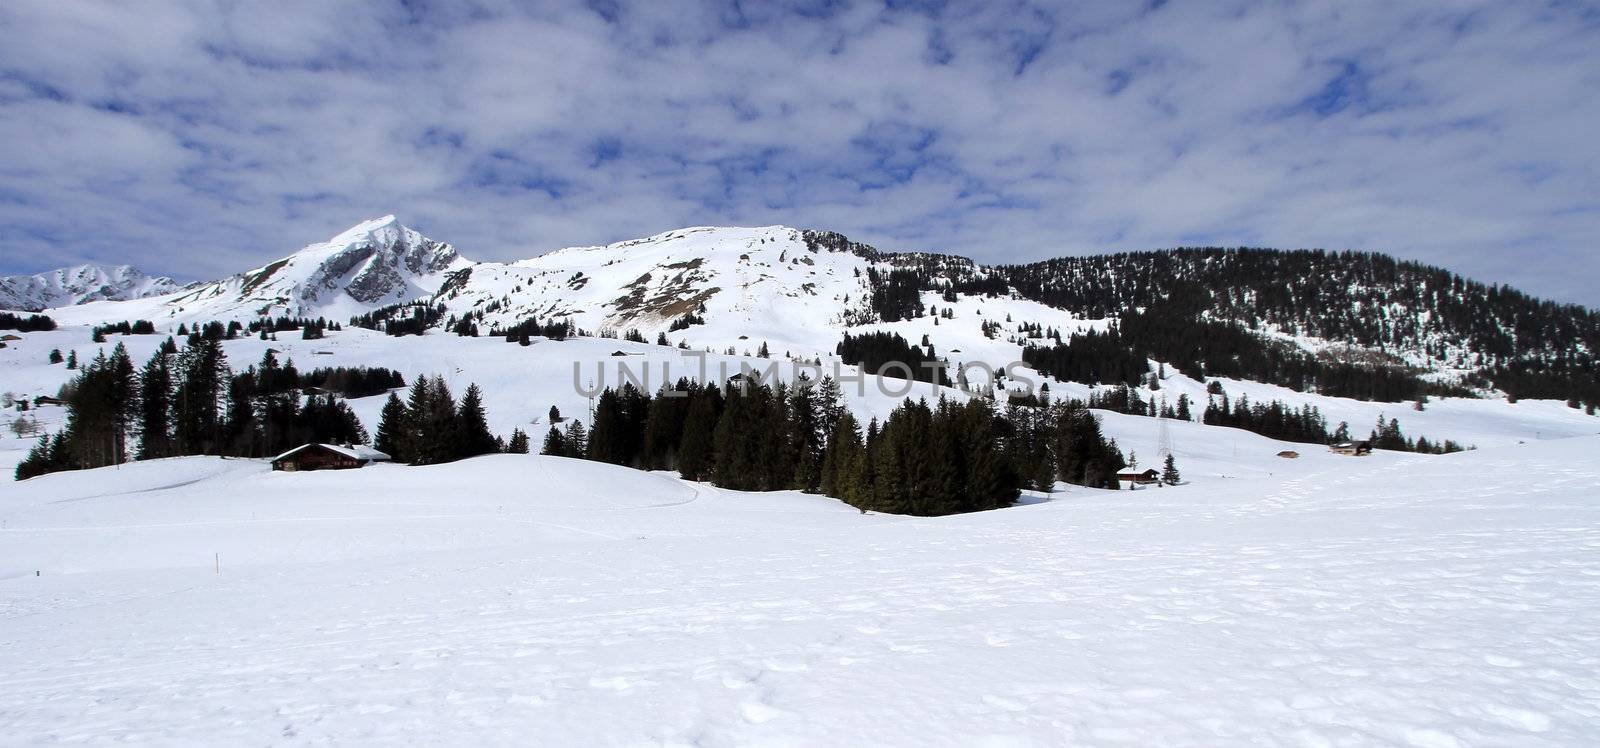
{"x":1351,"y":449}
{"x":1143,"y":477}
{"x":327,"y":457}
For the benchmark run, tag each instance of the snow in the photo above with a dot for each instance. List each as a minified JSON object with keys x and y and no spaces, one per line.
{"x":373,"y":264}
{"x":79,"y":284}
{"x":1395,"y":599}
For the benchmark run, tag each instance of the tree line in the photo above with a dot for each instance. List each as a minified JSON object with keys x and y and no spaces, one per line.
{"x":430,"y":427}
{"x":186,"y":402}
{"x":1278,"y":420}
{"x":923,"y":459}
{"x":30,"y":323}
{"x":888,"y":354}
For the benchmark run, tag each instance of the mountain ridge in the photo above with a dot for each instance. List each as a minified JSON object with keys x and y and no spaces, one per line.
{"x":80,"y":284}
{"x":1293,"y":317}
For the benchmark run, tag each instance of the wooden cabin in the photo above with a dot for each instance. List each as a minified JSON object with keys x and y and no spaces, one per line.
{"x":327,"y":457}
{"x":1140,"y":477}
{"x":1351,"y":449}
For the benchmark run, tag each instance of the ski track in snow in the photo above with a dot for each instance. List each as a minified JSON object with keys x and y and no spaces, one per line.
{"x":1395,"y":600}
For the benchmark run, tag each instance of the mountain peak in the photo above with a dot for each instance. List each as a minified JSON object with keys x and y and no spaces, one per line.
{"x":378,"y":229}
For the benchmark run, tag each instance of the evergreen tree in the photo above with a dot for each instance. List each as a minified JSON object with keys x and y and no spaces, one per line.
{"x":806,"y":439}
{"x":840,"y":458}
{"x":276,"y":396}
{"x":441,"y":440}
{"x":733,"y":454}
{"x":575,"y":441}
{"x":554,"y":443}
{"x":202,"y":376}
{"x":392,"y":438}
{"x":38,"y":462}
{"x":419,"y":402}
{"x":1169,"y":472}
{"x":472,"y":430}
{"x":155,"y":409}
{"x":695,"y":458}
{"x":518,"y":445}
{"x":608,"y":438}
{"x":663,"y":426}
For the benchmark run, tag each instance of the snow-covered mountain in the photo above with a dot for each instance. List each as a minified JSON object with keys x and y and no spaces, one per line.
{"x":79,"y":285}
{"x":373,"y":264}
{"x":1358,"y":325}
{"x":766,"y":283}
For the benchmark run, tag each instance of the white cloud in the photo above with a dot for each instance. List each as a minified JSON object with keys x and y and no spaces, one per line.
{"x":199,"y":139}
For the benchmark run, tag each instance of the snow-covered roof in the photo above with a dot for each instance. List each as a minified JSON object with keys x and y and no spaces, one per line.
{"x":354,"y":451}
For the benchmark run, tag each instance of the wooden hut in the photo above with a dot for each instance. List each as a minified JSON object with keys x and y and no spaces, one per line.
{"x":327,"y":457}
{"x":1351,"y":449}
{"x":1143,"y":477}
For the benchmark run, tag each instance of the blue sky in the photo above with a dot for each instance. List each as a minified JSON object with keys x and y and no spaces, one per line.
{"x":199,"y":139}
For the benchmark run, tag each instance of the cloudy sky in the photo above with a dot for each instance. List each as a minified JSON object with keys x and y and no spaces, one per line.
{"x":200,"y":138}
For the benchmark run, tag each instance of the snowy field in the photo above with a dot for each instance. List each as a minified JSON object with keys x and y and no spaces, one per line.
{"x":1404,"y":600}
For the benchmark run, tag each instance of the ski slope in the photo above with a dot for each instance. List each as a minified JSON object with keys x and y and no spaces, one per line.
{"x":1402,"y":600}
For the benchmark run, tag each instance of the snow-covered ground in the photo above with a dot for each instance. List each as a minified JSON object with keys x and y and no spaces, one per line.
{"x":1407,"y":600}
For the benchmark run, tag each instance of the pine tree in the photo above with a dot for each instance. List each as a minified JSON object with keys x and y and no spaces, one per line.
{"x":391,"y":437}
{"x":608,"y":438}
{"x":202,"y":377}
{"x":473,"y":436}
{"x":441,"y":428}
{"x":663,"y":426}
{"x":55,"y":355}
{"x":732,"y":463}
{"x":1169,"y":472}
{"x":155,"y":409}
{"x":945,"y":484}
{"x":695,"y":452}
{"x":414,"y":432}
{"x":887,"y":491}
{"x":554,"y":443}
{"x":989,"y":482}
{"x":275,"y":398}
{"x":575,"y":442}
{"x":839,"y":456}
{"x":518,"y":445}
{"x":37,"y":462}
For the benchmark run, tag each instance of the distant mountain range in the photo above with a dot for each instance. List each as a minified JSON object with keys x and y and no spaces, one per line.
{"x":79,"y":285}
{"x":1353,"y":324}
